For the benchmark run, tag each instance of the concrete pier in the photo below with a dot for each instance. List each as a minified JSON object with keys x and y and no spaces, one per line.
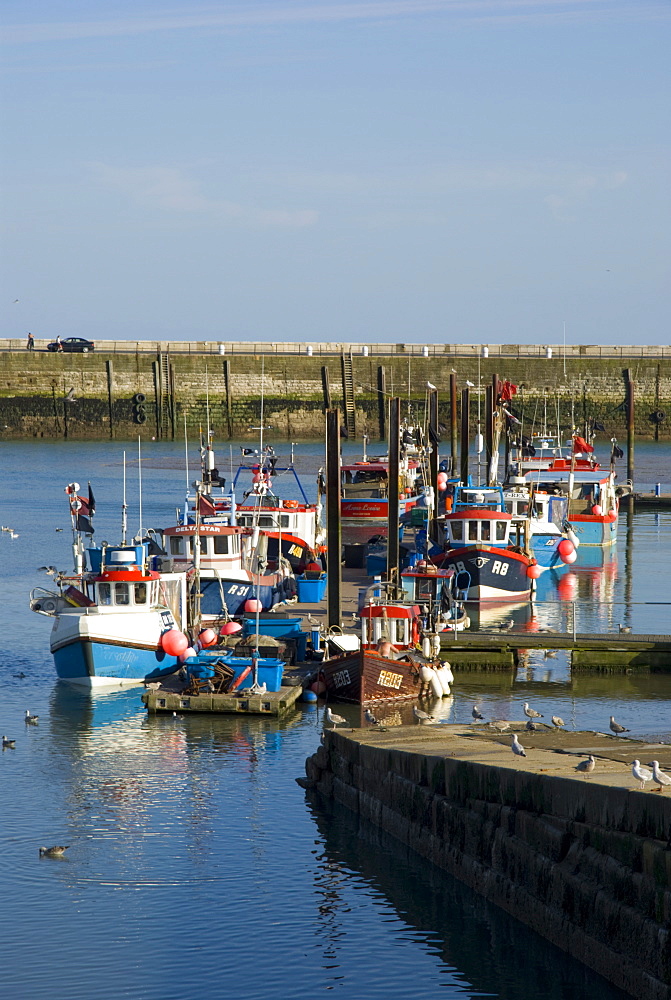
{"x":585,"y":860}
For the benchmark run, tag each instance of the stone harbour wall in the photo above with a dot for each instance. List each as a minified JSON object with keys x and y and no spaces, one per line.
{"x":33,"y":387}
{"x":587,"y":866}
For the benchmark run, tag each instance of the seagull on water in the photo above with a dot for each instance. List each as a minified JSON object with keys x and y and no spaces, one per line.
{"x":477,"y":714}
{"x":550,"y":653}
{"x":335,"y":720}
{"x":586,"y":766}
{"x":57,"y":851}
{"x":31,"y":720}
{"x":8,"y":744}
{"x":557,"y":721}
{"x":616,"y":727}
{"x":623,"y":628}
{"x":421,"y":716}
{"x":370,"y":718}
{"x":517,"y":747}
{"x":658,"y":776}
{"x":640,"y":773}
{"x":531,"y":713}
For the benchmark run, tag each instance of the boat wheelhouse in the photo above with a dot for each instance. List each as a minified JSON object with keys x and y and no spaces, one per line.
{"x":365,"y":491}
{"x":592,"y":497}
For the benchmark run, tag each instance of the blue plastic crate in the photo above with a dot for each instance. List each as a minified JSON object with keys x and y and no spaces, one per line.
{"x":311,"y":591}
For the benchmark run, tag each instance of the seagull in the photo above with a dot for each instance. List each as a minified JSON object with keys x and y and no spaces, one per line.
{"x":585,"y":766}
{"x":13,"y":534}
{"x":370,"y":718}
{"x":531,"y":726}
{"x":640,"y":773}
{"x":500,"y":725}
{"x":430,"y":385}
{"x":8,"y":744}
{"x":49,"y":570}
{"x":623,"y":628}
{"x":549,"y":653}
{"x":335,"y":720}
{"x":616,"y":727}
{"x":32,"y":720}
{"x":57,"y":851}
{"x":58,"y":529}
{"x":176,"y":716}
{"x":470,"y":384}
{"x":312,"y":621}
{"x":531,"y":713}
{"x":659,"y":777}
{"x":517,"y":747}
{"x":20,"y":676}
{"x":477,"y":714}
{"x":557,"y":721}
{"x":70,"y":398}
{"x":420,"y":715}
{"x":506,"y":626}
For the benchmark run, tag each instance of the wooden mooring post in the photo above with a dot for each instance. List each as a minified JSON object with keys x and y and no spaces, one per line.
{"x":393,"y":544}
{"x":333,"y":525}
{"x":465,"y":432}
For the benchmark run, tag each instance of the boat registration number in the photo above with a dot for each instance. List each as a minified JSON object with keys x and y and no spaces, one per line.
{"x":341,"y":678}
{"x":388,"y":679}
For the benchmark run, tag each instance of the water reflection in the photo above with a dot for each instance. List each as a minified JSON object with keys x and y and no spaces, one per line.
{"x":473,"y":939}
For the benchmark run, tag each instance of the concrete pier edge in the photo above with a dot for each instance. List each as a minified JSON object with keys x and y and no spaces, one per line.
{"x":585,"y":864}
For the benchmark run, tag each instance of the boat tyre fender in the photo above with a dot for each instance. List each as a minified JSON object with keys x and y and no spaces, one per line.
{"x":139,"y":398}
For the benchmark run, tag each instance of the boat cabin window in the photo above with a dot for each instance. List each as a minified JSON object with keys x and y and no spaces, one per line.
{"x":203,"y":545}
{"x":221,"y":545}
{"x":121,"y":594}
{"x":472,"y":531}
{"x":485,"y":531}
{"x":285,"y":520}
{"x":401,"y":628}
{"x":140,"y":593}
{"x":176,"y":545}
{"x":457,"y":530}
{"x":501,"y":531}
{"x":104,"y":593}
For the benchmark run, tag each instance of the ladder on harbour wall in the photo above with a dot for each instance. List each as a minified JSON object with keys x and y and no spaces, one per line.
{"x":164,"y":384}
{"x":348,"y":394}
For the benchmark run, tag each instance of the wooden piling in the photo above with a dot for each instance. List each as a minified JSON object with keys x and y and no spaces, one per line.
{"x":629,"y":411}
{"x":465,"y":432}
{"x":110,"y":396}
{"x":453,"y":423}
{"x":333,"y":525}
{"x":393,"y":544}
{"x":433,"y":458}
{"x":382,"y":401}
{"x":227,"y":388}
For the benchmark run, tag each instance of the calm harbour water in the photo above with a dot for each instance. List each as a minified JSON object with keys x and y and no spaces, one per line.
{"x":198,"y":867}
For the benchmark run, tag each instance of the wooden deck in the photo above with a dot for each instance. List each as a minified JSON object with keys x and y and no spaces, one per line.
{"x":273,"y":703}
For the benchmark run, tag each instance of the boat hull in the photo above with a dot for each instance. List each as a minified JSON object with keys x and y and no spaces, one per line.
{"x":269,"y":590}
{"x":365,"y":677}
{"x":488,"y":574}
{"x":372,"y":511}
{"x":90,"y":663}
{"x":595,"y":530}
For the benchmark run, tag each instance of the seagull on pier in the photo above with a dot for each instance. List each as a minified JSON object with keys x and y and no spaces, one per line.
{"x":531,"y":726}
{"x":57,"y":851}
{"x":500,"y":725}
{"x":31,"y":720}
{"x":8,"y":744}
{"x":640,"y":773}
{"x":557,"y":722}
{"x":430,"y":385}
{"x":506,"y":626}
{"x":586,"y":766}
{"x":616,"y":727}
{"x":517,"y":747}
{"x":421,"y":716}
{"x":623,"y":628}
{"x":531,"y":713}
{"x":658,"y":776}
{"x":335,"y":720}
{"x":477,"y":714}
{"x":471,"y":385}
{"x":370,"y":718}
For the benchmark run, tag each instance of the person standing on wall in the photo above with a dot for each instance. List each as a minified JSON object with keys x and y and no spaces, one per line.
{"x":59,"y":344}
{"x":30,"y":346}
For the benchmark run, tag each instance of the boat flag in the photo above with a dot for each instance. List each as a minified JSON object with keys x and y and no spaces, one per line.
{"x":92,"y":502}
{"x":83,"y":523}
{"x":616,"y":453}
{"x":205,"y":507}
{"x":579,"y":444}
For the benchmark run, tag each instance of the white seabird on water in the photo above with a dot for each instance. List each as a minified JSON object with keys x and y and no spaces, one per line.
{"x":335,"y":720}
{"x":640,"y":773}
{"x":616,"y":727}
{"x":8,"y":744}
{"x":658,"y":776}
{"x":586,"y":766}
{"x":517,"y":747}
{"x":31,"y":720}
{"x":531,"y":713}
{"x":57,"y":851}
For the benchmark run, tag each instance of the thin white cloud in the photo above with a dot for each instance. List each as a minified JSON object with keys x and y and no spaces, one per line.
{"x":167,"y":189}
{"x":274,"y":14}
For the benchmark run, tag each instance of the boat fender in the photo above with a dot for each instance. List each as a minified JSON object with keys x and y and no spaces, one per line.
{"x":435,"y":644}
{"x":436,"y":686}
{"x":426,"y":673}
{"x":442,"y":675}
{"x":448,"y":672}
{"x":426,"y":647}
{"x":414,"y":632}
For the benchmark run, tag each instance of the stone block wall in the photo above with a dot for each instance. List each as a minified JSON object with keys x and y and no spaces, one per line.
{"x":587,"y":866}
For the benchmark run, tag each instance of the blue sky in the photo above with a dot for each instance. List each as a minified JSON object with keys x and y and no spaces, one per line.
{"x":470,"y":171}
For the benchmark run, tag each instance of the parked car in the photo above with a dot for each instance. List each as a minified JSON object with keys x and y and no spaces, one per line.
{"x":73,"y":344}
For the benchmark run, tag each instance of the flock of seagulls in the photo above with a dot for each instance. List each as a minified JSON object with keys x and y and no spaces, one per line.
{"x":9,"y":531}
{"x":30,"y":720}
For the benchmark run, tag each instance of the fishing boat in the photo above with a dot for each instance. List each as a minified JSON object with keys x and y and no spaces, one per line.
{"x":486,"y":550}
{"x":364,"y":486}
{"x":110,"y":614}
{"x":543,"y":518}
{"x":593,"y":500}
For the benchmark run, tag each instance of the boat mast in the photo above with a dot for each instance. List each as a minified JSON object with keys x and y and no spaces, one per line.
{"x":139,"y":476}
{"x":124,"y":506}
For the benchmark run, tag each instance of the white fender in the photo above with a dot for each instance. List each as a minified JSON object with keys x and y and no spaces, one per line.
{"x":436,"y":686}
{"x":448,"y":671}
{"x":442,"y":675}
{"x":426,"y":674}
{"x":426,"y":647}
{"x":435,"y":643}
